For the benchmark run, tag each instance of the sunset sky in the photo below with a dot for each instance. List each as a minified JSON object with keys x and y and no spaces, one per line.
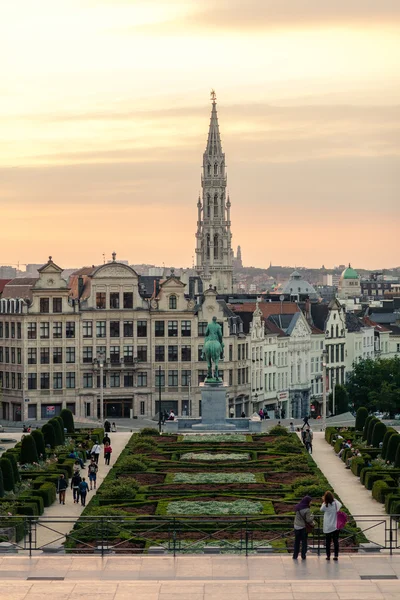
{"x":104,"y":114}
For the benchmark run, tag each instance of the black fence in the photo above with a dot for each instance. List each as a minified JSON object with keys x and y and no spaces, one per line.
{"x":189,"y":535}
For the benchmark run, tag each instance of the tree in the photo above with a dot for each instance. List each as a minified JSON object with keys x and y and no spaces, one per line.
{"x":8,"y":475}
{"x":392,"y":447}
{"x":14,"y":464}
{"x":39,"y":441}
{"x":361,"y":417}
{"x":378,"y":434}
{"x":28,"y":450}
{"x":57,"y":431}
{"x":390,"y":431}
{"x":375,"y":384}
{"x":49,"y":435}
{"x":341,"y":400}
{"x":1,"y":485}
{"x":371,"y":426}
{"x":61,"y":424}
{"x":68,"y":419}
{"x":365,"y":430}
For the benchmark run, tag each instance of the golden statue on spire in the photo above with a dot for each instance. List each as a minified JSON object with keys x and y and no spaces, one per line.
{"x":213,"y":96}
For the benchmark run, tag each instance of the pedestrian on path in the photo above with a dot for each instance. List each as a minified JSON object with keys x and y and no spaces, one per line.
{"x":92,"y":473}
{"x":107,"y":453}
{"x":113,"y":427}
{"x":95,"y":453}
{"x":107,"y":426}
{"x":61,"y":487}
{"x":83,"y":490}
{"x":75,"y":481}
{"x":305,"y":421}
{"x":330,"y":507}
{"x":308,"y":439}
{"x":303,"y":524}
{"x":106,"y":440}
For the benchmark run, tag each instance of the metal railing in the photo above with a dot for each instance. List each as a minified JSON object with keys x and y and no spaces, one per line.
{"x":188,"y":535}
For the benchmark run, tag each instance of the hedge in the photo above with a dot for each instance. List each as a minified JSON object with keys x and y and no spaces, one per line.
{"x":392,"y":503}
{"x":378,"y":434}
{"x":371,"y":426}
{"x":390,"y":431}
{"x":361,"y":417}
{"x":28,"y":453}
{"x":31,"y":497}
{"x":357,"y":464}
{"x":58,"y":433}
{"x":48,"y":492}
{"x":1,"y":485}
{"x":68,"y":420}
{"x":49,"y":435}
{"x":11,"y":457}
{"x":381,"y":489}
{"x":8,"y":475}
{"x":392,"y":447}
{"x":365,"y":430}
{"x":397,"y":458}
{"x":39,"y":441}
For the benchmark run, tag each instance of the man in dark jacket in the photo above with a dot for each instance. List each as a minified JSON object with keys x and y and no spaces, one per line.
{"x":61,"y":487}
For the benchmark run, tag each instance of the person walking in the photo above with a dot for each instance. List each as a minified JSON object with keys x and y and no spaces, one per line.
{"x":75,"y":481}
{"x":107,"y":426}
{"x":83,"y":490}
{"x":113,"y":427}
{"x":95,"y":452}
{"x":305,"y":421}
{"x":330,"y":507}
{"x":107,"y":453}
{"x":303,"y":524}
{"x":92,"y":473}
{"x":308,"y":439}
{"x":61,"y":487}
{"x":106,"y":439}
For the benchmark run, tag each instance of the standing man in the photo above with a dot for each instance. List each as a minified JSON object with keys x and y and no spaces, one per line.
{"x":92,"y":473}
{"x":308,"y":438}
{"x":95,"y":452}
{"x":83,"y":490}
{"x":61,"y":487}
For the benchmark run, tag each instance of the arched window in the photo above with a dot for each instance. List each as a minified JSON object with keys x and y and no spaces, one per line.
{"x":172,"y":302}
{"x":208,"y":245}
{"x":216,"y":248}
{"x":215,"y":169}
{"x":216,"y":205}
{"x":208,"y":169}
{"x":208,"y":206}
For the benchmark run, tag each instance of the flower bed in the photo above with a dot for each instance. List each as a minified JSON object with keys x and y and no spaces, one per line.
{"x":192,"y":478}
{"x":214,"y":438}
{"x":205,"y":456}
{"x":237,"y":507}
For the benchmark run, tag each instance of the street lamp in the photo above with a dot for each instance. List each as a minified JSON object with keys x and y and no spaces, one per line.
{"x":100,"y":359}
{"x":324,"y":357}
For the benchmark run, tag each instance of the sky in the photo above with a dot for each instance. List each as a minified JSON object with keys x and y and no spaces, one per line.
{"x":104,"y":114}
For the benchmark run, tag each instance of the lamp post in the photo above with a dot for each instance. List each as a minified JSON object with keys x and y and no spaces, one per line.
{"x":324,"y":357}
{"x":100,"y":358}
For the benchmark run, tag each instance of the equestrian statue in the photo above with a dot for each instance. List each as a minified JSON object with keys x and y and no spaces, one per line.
{"x":213,"y":350}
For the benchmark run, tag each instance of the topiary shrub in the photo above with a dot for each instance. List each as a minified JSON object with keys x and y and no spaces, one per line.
{"x":357,"y":463}
{"x":29,"y":453}
{"x":1,"y":485}
{"x":58,"y":434}
{"x":149,"y":431}
{"x":365,"y":430}
{"x":68,"y":420}
{"x":378,"y":434}
{"x":39,"y":441}
{"x":48,"y":492}
{"x":287,"y":447}
{"x":371,"y":426}
{"x":382,"y":488}
{"x":315,"y":491}
{"x":390,"y":431}
{"x":392,"y":447}
{"x":49,"y":435}
{"x":279,"y":430}
{"x":14,"y":464}
{"x":8,"y":475}
{"x":130,"y":464}
{"x":361,"y":417}
{"x":119,"y":489}
{"x":61,"y":424}
{"x":142,"y":448}
{"x":397,"y":458}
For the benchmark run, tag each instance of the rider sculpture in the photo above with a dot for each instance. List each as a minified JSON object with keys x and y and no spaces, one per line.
{"x":213,"y":350}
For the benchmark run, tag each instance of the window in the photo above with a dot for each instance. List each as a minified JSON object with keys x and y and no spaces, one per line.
{"x":32,"y":356}
{"x":173,"y":378}
{"x":19,"y":377}
{"x":19,"y":331}
{"x":128,"y":355}
{"x":70,"y":381}
{"x":142,"y":379}
{"x":57,"y":381}
{"x":114,"y":380}
{"x":98,"y":382}
{"x":1,"y":330}
{"x":199,"y":353}
{"x":142,"y":407}
{"x":57,"y":330}
{"x":32,"y":381}
{"x":202,"y":374}
{"x":128,"y":380}
{"x":142,"y":353}
{"x":230,"y":377}
{"x":128,"y":329}
{"x":7,"y":359}
{"x":159,"y":329}
{"x":87,"y":329}
{"x":172,"y":353}
{"x":57,"y":305}
{"x":7,"y":385}
{"x":186,"y":329}
{"x":114,"y":354}
{"x":13,"y":356}
{"x":186,"y":353}
{"x":44,"y":381}
{"x":100,"y":300}
{"x":70,"y":355}
{"x":202,"y":327}
{"x":44,"y":331}
{"x":57,"y":356}
{"x":230,"y":352}
{"x":160,"y":353}
{"x":44,"y":305}
{"x":142,"y":328}
{"x":44,"y":356}
{"x":160,"y":378}
{"x":114,"y":300}
{"x":172,"y":302}
{"x":100,"y":329}
{"x":12,"y":329}
{"x":87,"y":380}
{"x":87,"y":354}
{"x":186,"y":378}
{"x":70,"y":329}
{"x":172,"y":328}
{"x":128,"y":300}
{"x":19,"y":356}
{"x":114,"y":328}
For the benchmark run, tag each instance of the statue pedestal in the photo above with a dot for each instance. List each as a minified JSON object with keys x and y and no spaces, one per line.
{"x":213,"y":409}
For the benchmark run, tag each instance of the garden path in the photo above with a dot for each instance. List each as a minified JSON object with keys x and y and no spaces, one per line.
{"x":54,"y":532}
{"x":355,"y":496}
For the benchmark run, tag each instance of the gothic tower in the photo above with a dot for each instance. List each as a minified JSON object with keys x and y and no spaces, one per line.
{"x":213,"y":237}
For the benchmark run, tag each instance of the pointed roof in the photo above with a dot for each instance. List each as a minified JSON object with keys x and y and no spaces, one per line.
{"x":214,"y":146}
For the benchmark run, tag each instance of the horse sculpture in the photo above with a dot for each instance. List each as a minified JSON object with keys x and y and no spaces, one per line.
{"x":213,"y":350}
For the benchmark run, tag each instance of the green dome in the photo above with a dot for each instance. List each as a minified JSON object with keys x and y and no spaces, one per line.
{"x":349,"y":273}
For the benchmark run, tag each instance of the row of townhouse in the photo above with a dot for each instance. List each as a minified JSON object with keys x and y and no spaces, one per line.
{"x":57,"y":338}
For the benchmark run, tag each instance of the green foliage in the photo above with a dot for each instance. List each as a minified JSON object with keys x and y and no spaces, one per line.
{"x":375,"y":384}
{"x":365,"y":430}
{"x":315,"y":491}
{"x":380,"y":489}
{"x":31,"y":497}
{"x":330,"y":432}
{"x":361,"y":417}
{"x":68,"y":420}
{"x":288,"y":447}
{"x":378,"y":434}
{"x":39,"y":441}
{"x":392,"y":447}
{"x":119,"y":489}
{"x":279,"y":430}
{"x":49,"y":435}
{"x":130,"y":464}
{"x":61,"y":424}
{"x":203,"y":478}
{"x":28,"y":450}
{"x":58,"y":434}
{"x":237,"y":507}
{"x":371,"y":426}
{"x":390,"y":431}
{"x":143,"y":445}
{"x":47,"y":491}
{"x":357,"y":463}
{"x":397,"y":458}
{"x":8,"y":475}
{"x":149,"y":431}
{"x":14,"y":465}
{"x":341,"y":400}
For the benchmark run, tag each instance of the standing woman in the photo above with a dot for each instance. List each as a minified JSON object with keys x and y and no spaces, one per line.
{"x":330,"y":507}
{"x":107,"y":453}
{"x":302,"y":522}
